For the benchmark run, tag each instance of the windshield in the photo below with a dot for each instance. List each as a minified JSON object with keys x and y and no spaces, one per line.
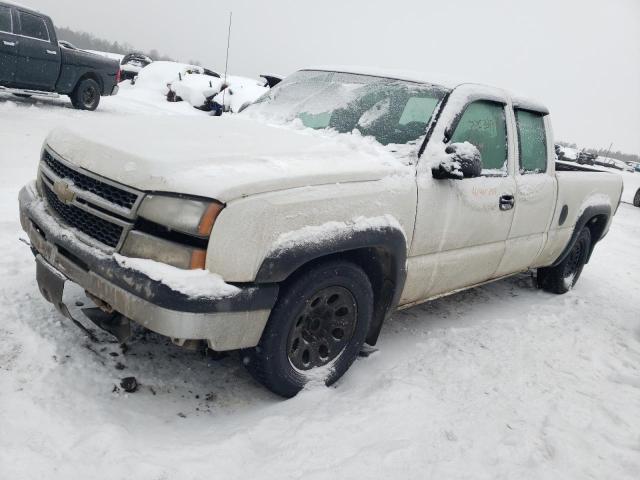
{"x":391,"y":111}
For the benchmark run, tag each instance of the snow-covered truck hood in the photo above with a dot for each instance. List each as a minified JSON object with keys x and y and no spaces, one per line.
{"x":219,"y":157}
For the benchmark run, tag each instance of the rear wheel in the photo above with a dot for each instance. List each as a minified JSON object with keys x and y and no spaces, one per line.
{"x":86,"y":95}
{"x":316,"y":329}
{"x":561,"y":278}
{"x":636,"y":199}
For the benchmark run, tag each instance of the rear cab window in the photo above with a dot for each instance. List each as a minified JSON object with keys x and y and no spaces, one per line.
{"x":484,"y":125}
{"x":33,"y":26}
{"x":532,"y":142}
{"x":6,"y":23}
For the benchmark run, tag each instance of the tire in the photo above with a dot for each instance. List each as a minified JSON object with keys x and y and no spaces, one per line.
{"x":86,"y":95}
{"x":562,"y":278}
{"x":316,"y":329}
{"x":636,"y":199}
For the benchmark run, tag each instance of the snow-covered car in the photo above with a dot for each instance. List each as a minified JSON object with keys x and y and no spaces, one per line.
{"x":205,"y":93}
{"x":132,"y":64}
{"x":293,"y":230}
{"x":160,"y":75}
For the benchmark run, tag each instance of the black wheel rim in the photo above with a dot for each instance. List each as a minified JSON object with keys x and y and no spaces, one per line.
{"x":89,"y":96}
{"x":323,"y":329}
{"x":574,"y":261}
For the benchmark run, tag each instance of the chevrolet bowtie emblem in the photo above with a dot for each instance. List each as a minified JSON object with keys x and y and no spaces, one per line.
{"x":62,"y":189}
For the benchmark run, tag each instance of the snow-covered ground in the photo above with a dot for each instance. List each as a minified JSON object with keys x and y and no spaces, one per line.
{"x":502,"y":381}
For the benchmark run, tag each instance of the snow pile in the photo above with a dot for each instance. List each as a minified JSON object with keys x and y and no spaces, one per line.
{"x":193,"y":283}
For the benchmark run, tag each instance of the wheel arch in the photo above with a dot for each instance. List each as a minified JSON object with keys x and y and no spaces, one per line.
{"x":380,"y":252}
{"x":596,"y":219}
{"x":92,"y":76}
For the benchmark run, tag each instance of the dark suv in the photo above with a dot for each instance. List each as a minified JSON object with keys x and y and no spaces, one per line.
{"x":32,"y":62}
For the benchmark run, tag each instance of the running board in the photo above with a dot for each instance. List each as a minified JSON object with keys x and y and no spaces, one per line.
{"x":22,"y":91}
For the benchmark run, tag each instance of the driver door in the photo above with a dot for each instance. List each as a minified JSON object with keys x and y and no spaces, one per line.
{"x":462,"y":225}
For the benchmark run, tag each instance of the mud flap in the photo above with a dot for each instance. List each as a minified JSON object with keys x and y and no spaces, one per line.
{"x":51,"y":283}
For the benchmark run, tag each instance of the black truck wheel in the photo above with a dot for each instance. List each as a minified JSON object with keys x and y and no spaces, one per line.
{"x":86,"y":95}
{"x":561,"y":278}
{"x":316,"y":329}
{"x":636,"y":199}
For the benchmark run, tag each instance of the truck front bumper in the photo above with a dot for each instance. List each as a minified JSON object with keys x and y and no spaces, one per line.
{"x":227,"y":323}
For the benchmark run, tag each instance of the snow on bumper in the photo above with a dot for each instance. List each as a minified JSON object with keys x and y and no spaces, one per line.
{"x":227,"y":323}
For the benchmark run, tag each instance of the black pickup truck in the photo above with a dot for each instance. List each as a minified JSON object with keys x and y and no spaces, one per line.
{"x":32,"y":62}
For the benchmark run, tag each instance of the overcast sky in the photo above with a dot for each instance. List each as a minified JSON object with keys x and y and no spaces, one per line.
{"x":580,"y":57}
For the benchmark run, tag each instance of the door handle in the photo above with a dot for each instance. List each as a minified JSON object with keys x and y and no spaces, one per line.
{"x":52,"y":52}
{"x":507,"y":202}
{"x":9,"y":44}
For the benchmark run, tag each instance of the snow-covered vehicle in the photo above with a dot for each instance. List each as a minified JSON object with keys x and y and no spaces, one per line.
{"x":132,"y":64}
{"x":292,"y":231}
{"x":205,"y":93}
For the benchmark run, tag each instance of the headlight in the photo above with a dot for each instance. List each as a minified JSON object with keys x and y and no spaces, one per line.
{"x":142,"y":245}
{"x":172,"y":230}
{"x":190,"y":216}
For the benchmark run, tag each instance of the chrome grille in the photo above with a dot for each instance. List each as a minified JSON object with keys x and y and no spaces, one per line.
{"x":110,"y":193}
{"x":97,"y":228}
{"x":101,"y":209}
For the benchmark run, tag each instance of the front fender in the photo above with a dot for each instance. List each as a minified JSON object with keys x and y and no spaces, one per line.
{"x":301,"y":247}
{"x":381,"y":250}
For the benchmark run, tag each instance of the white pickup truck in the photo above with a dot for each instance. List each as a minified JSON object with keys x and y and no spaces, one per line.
{"x":291,"y":232}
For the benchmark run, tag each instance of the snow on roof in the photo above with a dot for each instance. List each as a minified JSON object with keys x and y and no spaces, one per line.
{"x":423,"y":77}
{"x":529,"y":104}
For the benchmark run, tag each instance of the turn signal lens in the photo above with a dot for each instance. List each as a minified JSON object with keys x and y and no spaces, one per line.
{"x":198,"y":259}
{"x":209,"y":218}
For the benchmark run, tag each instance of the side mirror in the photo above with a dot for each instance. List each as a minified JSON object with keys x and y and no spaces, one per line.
{"x":463,"y":160}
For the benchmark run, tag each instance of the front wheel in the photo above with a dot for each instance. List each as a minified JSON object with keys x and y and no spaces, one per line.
{"x":316,"y":329}
{"x":636,"y":199}
{"x":561,"y":278}
{"x":86,"y":95}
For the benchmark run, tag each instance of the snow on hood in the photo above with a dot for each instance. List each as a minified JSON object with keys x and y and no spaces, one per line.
{"x":219,"y":157}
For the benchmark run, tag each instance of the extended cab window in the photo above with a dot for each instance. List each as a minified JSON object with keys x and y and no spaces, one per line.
{"x":5,"y":19}
{"x":533,"y":141}
{"x":483,"y":124}
{"x":33,"y":26}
